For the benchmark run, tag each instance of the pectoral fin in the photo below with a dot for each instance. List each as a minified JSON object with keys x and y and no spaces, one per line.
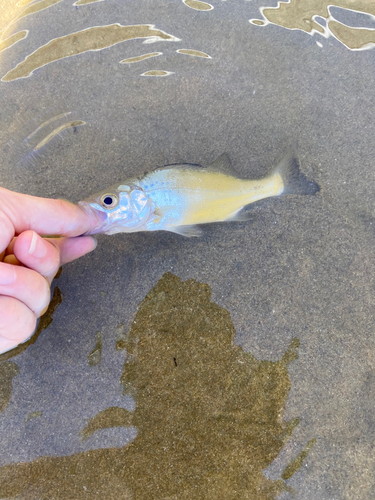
{"x":159,"y":213}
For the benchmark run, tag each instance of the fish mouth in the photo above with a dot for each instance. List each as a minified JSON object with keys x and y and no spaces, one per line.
{"x":98,"y":219}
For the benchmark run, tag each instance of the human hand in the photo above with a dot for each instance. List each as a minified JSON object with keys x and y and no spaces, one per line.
{"x":28,"y":262}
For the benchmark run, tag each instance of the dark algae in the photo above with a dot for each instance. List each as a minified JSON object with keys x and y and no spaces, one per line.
{"x":44,"y":322}
{"x":111,"y":417}
{"x":96,"y":354}
{"x":34,"y":414}
{"x":8,"y":370}
{"x":209,"y":416}
{"x":298,"y":461}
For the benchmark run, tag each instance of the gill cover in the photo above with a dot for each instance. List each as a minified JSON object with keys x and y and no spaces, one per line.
{"x":120,"y":209}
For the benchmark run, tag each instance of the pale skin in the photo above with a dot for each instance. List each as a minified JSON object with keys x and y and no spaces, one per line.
{"x":28,"y":262}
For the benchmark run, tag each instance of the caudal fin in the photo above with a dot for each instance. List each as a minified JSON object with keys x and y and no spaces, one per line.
{"x":295,"y":182}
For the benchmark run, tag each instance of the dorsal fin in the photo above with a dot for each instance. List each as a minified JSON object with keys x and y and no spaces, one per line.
{"x":223,"y":165}
{"x":178,"y":165}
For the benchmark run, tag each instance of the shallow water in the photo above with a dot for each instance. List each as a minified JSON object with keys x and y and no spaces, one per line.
{"x":77,"y":113}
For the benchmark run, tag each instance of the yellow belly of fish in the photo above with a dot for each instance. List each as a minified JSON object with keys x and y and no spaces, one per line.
{"x":225,"y":197}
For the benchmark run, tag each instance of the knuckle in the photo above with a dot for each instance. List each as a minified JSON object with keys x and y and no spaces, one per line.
{"x":9,"y":311}
{"x":51,"y":262}
{"x":55,"y":259}
{"x":64,"y":208}
{"x":28,"y":326}
{"x":17,"y":321}
{"x":6,"y":231}
{"x":42,"y":293}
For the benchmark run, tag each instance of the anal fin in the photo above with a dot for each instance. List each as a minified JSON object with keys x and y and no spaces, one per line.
{"x":241,"y":216}
{"x":188,"y":231}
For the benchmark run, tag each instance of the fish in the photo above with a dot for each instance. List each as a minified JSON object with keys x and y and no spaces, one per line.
{"x":179,"y":198}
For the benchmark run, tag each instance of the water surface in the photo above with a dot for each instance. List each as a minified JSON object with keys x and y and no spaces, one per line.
{"x":92,"y":93}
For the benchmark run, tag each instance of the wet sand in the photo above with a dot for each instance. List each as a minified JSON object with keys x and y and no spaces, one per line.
{"x":302,"y":268}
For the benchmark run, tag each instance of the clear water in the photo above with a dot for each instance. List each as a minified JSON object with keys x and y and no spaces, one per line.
{"x":92,"y":93}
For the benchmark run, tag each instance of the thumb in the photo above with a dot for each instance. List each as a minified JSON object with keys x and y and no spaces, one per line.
{"x":43,"y":215}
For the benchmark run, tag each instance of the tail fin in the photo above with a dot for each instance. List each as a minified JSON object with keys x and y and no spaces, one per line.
{"x":295,"y":182}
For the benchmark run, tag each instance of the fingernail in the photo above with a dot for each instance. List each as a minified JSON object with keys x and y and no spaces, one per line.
{"x":38,"y":247}
{"x":7,"y":274}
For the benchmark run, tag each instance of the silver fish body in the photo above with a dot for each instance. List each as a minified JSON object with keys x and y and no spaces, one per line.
{"x":177,"y":198}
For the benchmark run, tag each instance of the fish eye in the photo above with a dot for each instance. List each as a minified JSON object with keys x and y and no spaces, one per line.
{"x":109,"y":200}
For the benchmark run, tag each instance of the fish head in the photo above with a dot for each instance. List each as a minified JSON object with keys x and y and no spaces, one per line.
{"x":119,"y":209}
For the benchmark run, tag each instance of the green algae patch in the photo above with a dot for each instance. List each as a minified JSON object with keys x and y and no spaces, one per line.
{"x":157,"y":72}
{"x":36,"y":7}
{"x":90,"y":39}
{"x":121,"y":337}
{"x":298,"y":461}
{"x":33,"y":414}
{"x":135,"y":59}
{"x":197,"y":5}
{"x":208,"y":412}
{"x":298,"y":15}
{"x":58,"y":130}
{"x":96,"y":354}
{"x":86,"y":2}
{"x":9,"y":42}
{"x":194,"y":53}
{"x":209,"y":416}
{"x":111,"y":417}
{"x":8,"y":370}
{"x":354,"y":38}
{"x":44,"y":124}
{"x":44,"y":323}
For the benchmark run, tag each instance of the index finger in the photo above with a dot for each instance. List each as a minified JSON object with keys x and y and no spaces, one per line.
{"x":19,"y":212}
